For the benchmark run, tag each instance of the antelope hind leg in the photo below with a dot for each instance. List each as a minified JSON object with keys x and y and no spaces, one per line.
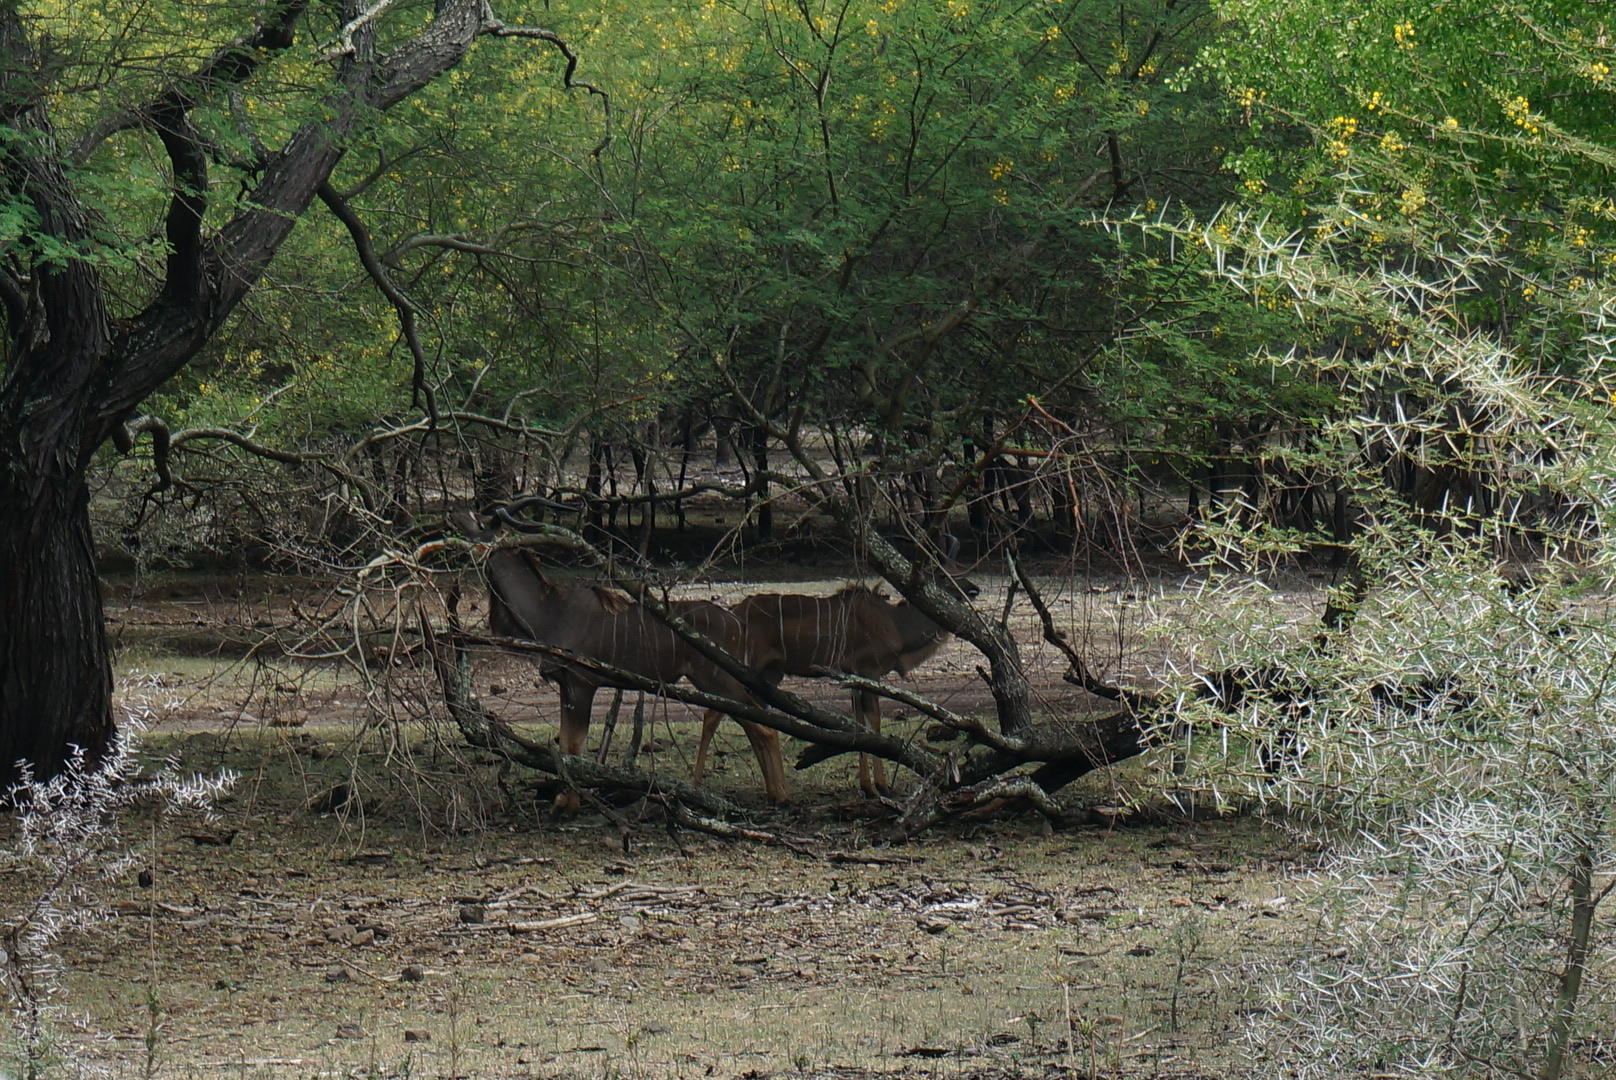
{"x":766,"y":746}
{"x":576,"y":703}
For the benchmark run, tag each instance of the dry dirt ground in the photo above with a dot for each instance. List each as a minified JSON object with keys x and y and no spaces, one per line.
{"x":444,"y":925}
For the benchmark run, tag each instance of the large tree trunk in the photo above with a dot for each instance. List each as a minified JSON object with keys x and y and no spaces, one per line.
{"x":55,"y":672}
{"x":70,"y":377}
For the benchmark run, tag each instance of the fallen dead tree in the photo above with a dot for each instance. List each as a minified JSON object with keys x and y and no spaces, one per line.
{"x":994,"y":763}
{"x":952,"y":781}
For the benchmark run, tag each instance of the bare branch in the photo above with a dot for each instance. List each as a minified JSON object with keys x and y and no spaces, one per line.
{"x":1078,"y":673}
{"x":975,"y":728}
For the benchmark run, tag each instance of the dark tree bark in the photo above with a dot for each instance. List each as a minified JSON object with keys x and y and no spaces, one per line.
{"x":72,"y":376}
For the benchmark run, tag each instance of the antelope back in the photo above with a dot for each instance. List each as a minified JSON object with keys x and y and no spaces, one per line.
{"x":801,"y":635}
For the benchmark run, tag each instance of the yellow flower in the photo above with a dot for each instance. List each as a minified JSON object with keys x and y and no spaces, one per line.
{"x":1000,"y":169}
{"x":1519,"y":110}
{"x":1403,"y":32}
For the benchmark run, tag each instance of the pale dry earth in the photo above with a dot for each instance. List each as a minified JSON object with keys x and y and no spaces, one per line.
{"x":449,"y":927}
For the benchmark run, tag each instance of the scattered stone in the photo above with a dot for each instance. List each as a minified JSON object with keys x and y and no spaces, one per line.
{"x":339,"y":935}
{"x":363,"y":937}
{"x":473,"y":913}
{"x":1093,"y":914}
{"x":629,"y":923}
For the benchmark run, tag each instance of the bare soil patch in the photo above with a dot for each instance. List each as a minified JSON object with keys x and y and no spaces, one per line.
{"x":322,"y":944}
{"x":443,"y":925}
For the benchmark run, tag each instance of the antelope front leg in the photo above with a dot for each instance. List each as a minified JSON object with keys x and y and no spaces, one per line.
{"x":709,"y":724}
{"x":867,"y":707}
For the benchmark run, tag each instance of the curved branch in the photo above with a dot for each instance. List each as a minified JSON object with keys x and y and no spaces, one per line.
{"x":499,"y":29}
{"x":494,"y":423}
{"x":124,"y":438}
{"x":402,"y":304}
{"x":236,"y":438}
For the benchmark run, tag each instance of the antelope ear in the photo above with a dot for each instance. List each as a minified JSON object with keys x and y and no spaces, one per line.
{"x":613,"y":602}
{"x":482,"y":528}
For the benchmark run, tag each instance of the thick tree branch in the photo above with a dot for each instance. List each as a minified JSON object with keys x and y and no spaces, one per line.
{"x":159,"y":340}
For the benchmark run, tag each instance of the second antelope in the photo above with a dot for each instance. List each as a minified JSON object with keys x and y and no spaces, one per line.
{"x":607,"y":626}
{"x":854,"y":631}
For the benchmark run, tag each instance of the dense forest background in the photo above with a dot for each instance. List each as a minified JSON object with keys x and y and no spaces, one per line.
{"x":1247,"y":283}
{"x":985,"y":251}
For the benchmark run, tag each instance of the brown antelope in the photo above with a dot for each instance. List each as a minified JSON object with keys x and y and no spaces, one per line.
{"x":855,"y":631}
{"x":607,"y":626}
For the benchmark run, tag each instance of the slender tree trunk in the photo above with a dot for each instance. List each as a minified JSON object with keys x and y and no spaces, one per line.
{"x":765,"y":509}
{"x":1562,"y":1020}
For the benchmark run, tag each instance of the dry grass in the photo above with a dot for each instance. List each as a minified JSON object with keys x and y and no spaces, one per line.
{"x":989,"y":948}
